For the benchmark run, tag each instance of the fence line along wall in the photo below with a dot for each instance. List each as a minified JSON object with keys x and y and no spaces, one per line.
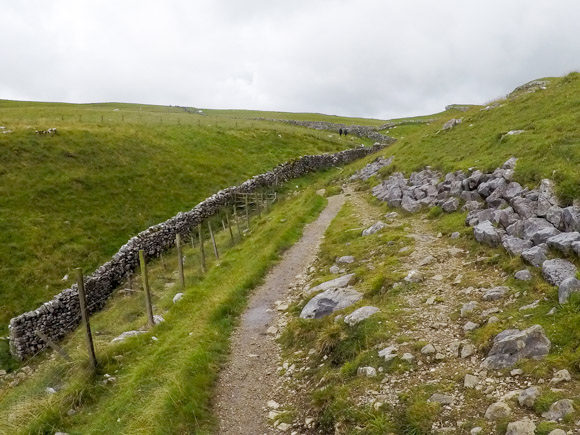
{"x":61,"y":315}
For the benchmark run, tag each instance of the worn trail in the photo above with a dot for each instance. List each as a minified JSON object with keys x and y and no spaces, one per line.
{"x":248,"y":380}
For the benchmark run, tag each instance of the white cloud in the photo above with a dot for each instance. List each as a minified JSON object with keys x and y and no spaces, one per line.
{"x":348,"y":57}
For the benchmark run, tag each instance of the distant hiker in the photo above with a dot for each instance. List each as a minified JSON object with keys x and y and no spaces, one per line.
{"x":345,"y":131}
{"x":340,"y":131}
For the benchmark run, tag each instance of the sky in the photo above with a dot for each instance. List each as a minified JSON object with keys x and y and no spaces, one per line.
{"x":369,"y":58}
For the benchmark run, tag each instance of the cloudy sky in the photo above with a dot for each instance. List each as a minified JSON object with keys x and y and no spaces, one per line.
{"x":371,"y":58}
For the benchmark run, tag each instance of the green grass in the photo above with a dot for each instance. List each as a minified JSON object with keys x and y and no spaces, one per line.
{"x":162,"y":386}
{"x":75,"y":198}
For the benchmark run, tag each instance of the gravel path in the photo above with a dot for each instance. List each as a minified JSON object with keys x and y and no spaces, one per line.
{"x":249,"y":378}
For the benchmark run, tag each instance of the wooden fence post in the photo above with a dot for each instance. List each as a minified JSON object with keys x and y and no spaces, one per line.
{"x":230,"y":227}
{"x":215,"y":250}
{"x":180,"y":262}
{"x":201,"y":250}
{"x":247,"y":210}
{"x":85,"y":317}
{"x":145,"y":277}
{"x":237,"y":220}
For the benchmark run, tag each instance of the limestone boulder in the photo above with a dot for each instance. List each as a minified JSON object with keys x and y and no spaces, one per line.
{"x":559,"y":409}
{"x":374,"y":228}
{"x":568,"y":286}
{"x":570,"y":219}
{"x":514,"y":245}
{"x":329,"y":301}
{"x":521,"y":427}
{"x":360,"y":314}
{"x":557,"y":270}
{"x":563,"y":242}
{"x":512,"y":345}
{"x":486,"y":233}
{"x":536,"y":256}
{"x":340,"y":282}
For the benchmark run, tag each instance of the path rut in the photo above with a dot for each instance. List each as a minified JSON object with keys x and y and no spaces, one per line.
{"x":246,"y":383}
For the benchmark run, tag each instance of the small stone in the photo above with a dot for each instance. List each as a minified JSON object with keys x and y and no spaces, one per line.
{"x":516,"y":372}
{"x":427,"y":260}
{"x":283,"y":427}
{"x":428,"y":349}
{"x":561,"y":376}
{"x":360,"y":314}
{"x":497,"y":411}
{"x":467,"y":350}
{"x":528,"y":396}
{"x":468,"y":308}
{"x":347,"y":259}
{"x":566,"y":288}
{"x":334,"y":269}
{"x":559,"y":410}
{"x":476,"y":430}
{"x":455,"y":235}
{"x":50,"y":390}
{"x":470,"y":326}
{"x":373,"y":229}
{"x":443,"y":399}
{"x":272,"y":404}
{"x":272,"y":330}
{"x":368,"y":372}
{"x":521,"y":427}
{"x":414,"y":276}
{"x":470,"y":381}
{"x":495,"y":293}
{"x":557,"y":432}
{"x":430,"y":300}
{"x":177,"y":297}
{"x":388,"y":353}
{"x":407,"y":357}
{"x":492,"y":320}
{"x":523,"y":275}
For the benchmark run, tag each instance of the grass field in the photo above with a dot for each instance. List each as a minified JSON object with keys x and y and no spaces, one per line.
{"x":72,"y":199}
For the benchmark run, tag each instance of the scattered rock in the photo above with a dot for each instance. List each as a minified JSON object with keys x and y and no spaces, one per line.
{"x":559,"y":410}
{"x":515,"y":245}
{"x":561,"y":376}
{"x":563,"y":242}
{"x":470,"y":326}
{"x":557,"y":270}
{"x":486,"y":233}
{"x":428,"y":349}
{"x":568,"y":286}
{"x":536,"y":256}
{"x":557,"y":432}
{"x":451,"y":205}
{"x":468,"y":308}
{"x":334,"y":269}
{"x":414,"y":276}
{"x":470,"y":381}
{"x":388,"y":353}
{"x":177,"y":297}
{"x":451,"y":123}
{"x":455,"y":235}
{"x":523,"y":275}
{"x":369,"y":372}
{"x":340,"y":282}
{"x":329,"y":301}
{"x":126,"y":335}
{"x":512,"y":345}
{"x":467,"y":350}
{"x":521,"y":427}
{"x":495,"y":293}
{"x":528,"y":396}
{"x":360,"y":314}
{"x":497,"y":411}
{"x":373,"y":229}
{"x":443,"y":399}
{"x":346,"y":259}
{"x":407,"y":357}
{"x":429,"y":259}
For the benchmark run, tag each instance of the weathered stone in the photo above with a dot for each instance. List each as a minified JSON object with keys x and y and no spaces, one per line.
{"x":557,"y":432}
{"x":428,"y":349}
{"x":528,"y":396}
{"x":554,"y":216}
{"x":561,"y":376}
{"x":451,"y":205}
{"x":521,"y":427}
{"x":340,"y":282}
{"x":443,"y":399}
{"x":329,"y":301}
{"x":467,"y":350}
{"x":410,"y":205}
{"x":126,"y":335}
{"x":472,"y":206}
{"x":360,"y":314}
{"x":468,"y":308}
{"x":512,"y":345}
{"x":563,"y":241}
{"x":470,"y":326}
{"x":566,"y":288}
{"x":177,"y":297}
{"x":368,"y":372}
{"x":576,"y":248}
{"x":373,"y":229}
{"x":570,"y":219}
{"x":334,"y":269}
{"x":559,"y":410}
{"x":523,"y":275}
{"x":486,"y":233}
{"x":536,"y":256}
{"x":512,"y":190}
{"x":495,"y":293}
{"x":388,"y":353}
{"x":497,"y":411}
{"x":408,"y":357}
{"x":533,"y":226}
{"x":544,"y":234}
{"x":346,"y":259}
{"x":470,"y":381}
{"x":510,"y":163}
{"x":557,"y":270}
{"x":526,"y":208}
{"x":451,"y":123}
{"x":515,"y":245}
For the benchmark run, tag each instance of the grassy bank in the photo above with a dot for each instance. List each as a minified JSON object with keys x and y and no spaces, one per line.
{"x":74,"y":198}
{"x":163,"y":378}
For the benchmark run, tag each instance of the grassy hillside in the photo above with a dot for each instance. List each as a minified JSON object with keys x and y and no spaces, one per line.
{"x":548,"y":147}
{"x":74,"y":198}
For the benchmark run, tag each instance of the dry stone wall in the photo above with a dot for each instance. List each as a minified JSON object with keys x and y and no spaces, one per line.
{"x":61,"y":315}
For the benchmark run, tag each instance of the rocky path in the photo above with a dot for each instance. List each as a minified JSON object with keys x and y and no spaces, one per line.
{"x":248,"y":381}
